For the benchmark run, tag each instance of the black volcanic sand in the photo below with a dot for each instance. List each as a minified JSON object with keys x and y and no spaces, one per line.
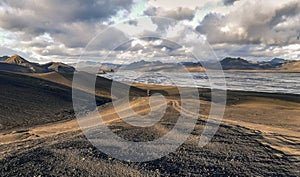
{"x":233,"y":151}
{"x":27,"y":101}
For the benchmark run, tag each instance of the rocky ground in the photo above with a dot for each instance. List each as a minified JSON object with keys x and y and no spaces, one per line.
{"x":233,"y":151}
{"x":39,"y":135}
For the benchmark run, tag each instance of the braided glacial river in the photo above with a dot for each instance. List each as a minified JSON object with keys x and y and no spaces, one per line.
{"x":259,"y":82}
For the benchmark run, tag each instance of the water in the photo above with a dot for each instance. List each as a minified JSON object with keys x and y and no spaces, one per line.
{"x":259,"y":82}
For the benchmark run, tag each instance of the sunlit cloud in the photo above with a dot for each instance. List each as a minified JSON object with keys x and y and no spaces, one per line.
{"x":52,"y":30}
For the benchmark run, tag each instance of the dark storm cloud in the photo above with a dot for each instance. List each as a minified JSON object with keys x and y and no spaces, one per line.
{"x":70,"y":10}
{"x":72,"y":22}
{"x":289,"y":10}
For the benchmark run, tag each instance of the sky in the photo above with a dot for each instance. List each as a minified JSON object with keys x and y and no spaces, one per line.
{"x":54,"y":30}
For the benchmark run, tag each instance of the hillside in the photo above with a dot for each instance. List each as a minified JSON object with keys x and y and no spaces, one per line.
{"x":17,"y":63}
{"x":102,"y":85}
{"x":3,"y":58}
{"x":244,"y":141}
{"x":16,"y":59}
{"x":58,"y":67}
{"x":27,"y":101}
{"x":14,"y":68}
{"x":291,"y":66}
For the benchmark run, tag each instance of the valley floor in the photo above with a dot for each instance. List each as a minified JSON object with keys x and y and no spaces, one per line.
{"x":259,"y":136}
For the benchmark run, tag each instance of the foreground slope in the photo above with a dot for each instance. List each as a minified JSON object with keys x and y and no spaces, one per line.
{"x":235,"y":150}
{"x":31,"y":99}
{"x":27,"y":101}
{"x":102,"y":85}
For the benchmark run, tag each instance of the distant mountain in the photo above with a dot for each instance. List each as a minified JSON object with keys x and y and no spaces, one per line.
{"x":58,"y":67}
{"x":91,"y":66}
{"x":152,"y":66}
{"x":3,"y":58}
{"x":238,"y":64}
{"x":278,"y":61}
{"x":17,"y":63}
{"x":138,"y":65}
{"x":274,"y":63}
{"x":16,"y":59}
{"x":192,"y":64}
{"x":293,"y":66}
{"x":229,"y":63}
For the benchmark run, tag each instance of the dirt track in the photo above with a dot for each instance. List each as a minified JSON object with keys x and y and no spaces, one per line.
{"x":36,"y":139}
{"x":234,"y":150}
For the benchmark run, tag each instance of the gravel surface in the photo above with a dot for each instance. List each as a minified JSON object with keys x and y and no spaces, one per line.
{"x":234,"y":151}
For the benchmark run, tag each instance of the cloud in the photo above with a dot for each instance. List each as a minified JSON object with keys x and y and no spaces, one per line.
{"x":107,"y":40}
{"x":8,"y":52}
{"x":70,"y":23}
{"x":229,"y":2}
{"x":148,"y":48}
{"x":52,"y":29}
{"x":174,"y":4}
{"x":68,"y":10}
{"x":149,"y":45}
{"x":254,"y":22}
{"x":179,"y":13}
{"x":38,"y":17}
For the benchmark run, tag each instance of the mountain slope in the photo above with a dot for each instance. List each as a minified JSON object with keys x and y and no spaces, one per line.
{"x":17,"y":63}
{"x":3,"y":58}
{"x":102,"y":85}
{"x":58,"y":67}
{"x":18,"y":60}
{"x":291,"y":66}
{"x":27,"y":101}
{"x":238,"y":63}
{"x":14,"y":68}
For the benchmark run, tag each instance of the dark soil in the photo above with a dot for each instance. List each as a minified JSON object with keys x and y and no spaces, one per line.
{"x":234,"y":151}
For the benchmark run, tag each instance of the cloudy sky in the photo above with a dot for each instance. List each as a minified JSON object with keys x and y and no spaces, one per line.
{"x":54,"y":30}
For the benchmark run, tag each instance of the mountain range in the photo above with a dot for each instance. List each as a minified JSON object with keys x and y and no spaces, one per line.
{"x":102,"y":68}
{"x":16,"y":63}
{"x":228,"y":64}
